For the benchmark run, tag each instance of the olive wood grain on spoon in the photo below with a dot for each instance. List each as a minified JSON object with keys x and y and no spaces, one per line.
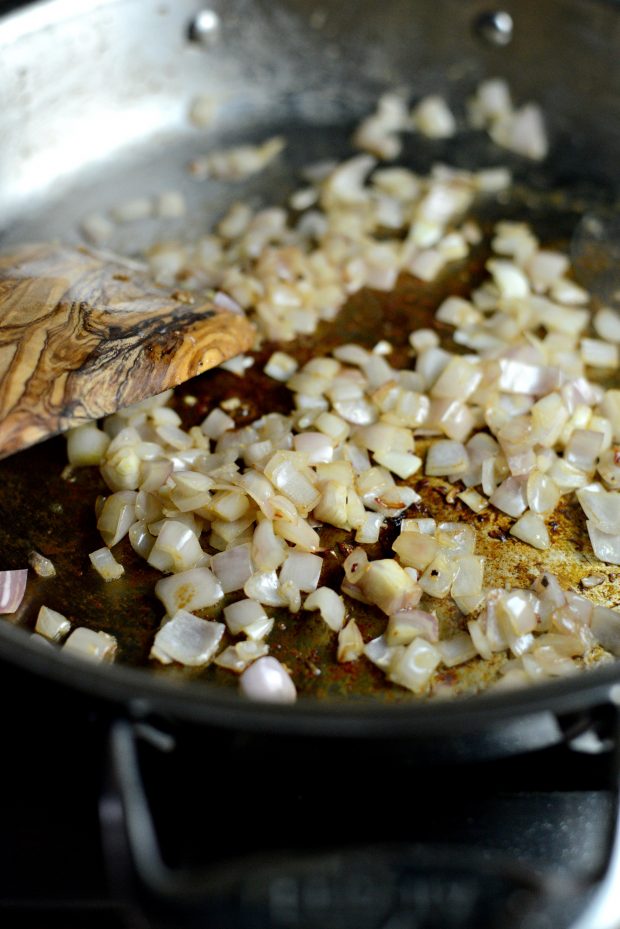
{"x":83,"y":334}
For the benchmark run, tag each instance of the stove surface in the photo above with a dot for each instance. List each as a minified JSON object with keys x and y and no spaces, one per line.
{"x":223,"y":799}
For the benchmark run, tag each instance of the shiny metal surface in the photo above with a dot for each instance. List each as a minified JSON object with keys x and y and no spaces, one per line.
{"x":94,"y":96}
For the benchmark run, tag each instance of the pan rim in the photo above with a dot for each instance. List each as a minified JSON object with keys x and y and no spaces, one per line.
{"x":207,"y":703}
{"x":138,"y":693}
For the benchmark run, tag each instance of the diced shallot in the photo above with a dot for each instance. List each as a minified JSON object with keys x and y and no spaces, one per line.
{"x":350,"y":643}
{"x":51,"y":624}
{"x":189,"y":590}
{"x":12,"y":589}
{"x":329,"y":604}
{"x":95,"y":646}
{"x":266,"y":680}
{"x":404,"y":626}
{"x":187,"y":640}
{"x":104,"y":562}
{"x":413,"y":667}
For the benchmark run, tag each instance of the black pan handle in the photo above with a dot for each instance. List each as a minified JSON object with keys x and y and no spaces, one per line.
{"x":383,"y":886}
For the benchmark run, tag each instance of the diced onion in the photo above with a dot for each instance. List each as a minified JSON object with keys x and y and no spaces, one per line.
{"x":329,"y":604}
{"x":456,"y":650}
{"x":350,"y":643}
{"x":12,"y":589}
{"x":187,"y":640}
{"x":104,"y":562}
{"x":404,"y":626}
{"x":266,"y":680}
{"x":244,"y":614}
{"x":233,"y":567}
{"x":41,"y":565}
{"x":414,"y":666}
{"x":531,"y":528}
{"x":190,"y":590}
{"x":51,"y":624}
{"x":95,"y":646}
{"x":238,"y":656}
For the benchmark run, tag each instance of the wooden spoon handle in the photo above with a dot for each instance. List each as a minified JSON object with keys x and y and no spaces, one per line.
{"x":82,"y":335}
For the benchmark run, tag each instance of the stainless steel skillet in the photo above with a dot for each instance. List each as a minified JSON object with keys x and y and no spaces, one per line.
{"x":94,"y":103}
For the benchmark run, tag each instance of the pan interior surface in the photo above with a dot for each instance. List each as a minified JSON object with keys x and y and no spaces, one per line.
{"x":115,"y":126}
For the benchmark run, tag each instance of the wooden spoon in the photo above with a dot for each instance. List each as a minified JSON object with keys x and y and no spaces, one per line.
{"x":83,"y":334}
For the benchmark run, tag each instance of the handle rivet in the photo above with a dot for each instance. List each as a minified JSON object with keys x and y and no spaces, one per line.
{"x":204,"y":28}
{"x":495,"y":27}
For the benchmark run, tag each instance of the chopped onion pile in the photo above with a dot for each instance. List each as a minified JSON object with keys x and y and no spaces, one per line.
{"x":512,"y":421}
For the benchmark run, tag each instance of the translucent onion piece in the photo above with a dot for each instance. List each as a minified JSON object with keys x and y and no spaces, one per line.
{"x":315,"y":446}
{"x":458,"y":380}
{"x":237,"y":657}
{"x":264,"y":587}
{"x":520,"y":378}
{"x":86,"y":445}
{"x":95,"y":646}
{"x":116,"y":517}
{"x":606,"y":628}
{"x":389,"y":587}
{"x":457,"y":537}
{"x":605,"y":546}
{"x":413,"y":667}
{"x":176,"y":548}
{"x":280,"y":366}
{"x":266,"y":680}
{"x":439,"y":576}
{"x":416,"y":549}
{"x":355,"y":564}
{"x":583,"y":448}
{"x":607,"y":324}
{"x":446,"y":457}
{"x":456,"y":650}
{"x":510,"y":496}
{"x":531,"y":528}
{"x":479,"y":639}
{"x":602,"y":507}
{"x":473,"y":500}
{"x":329,"y":604}
{"x":350,"y":643}
{"x":469,"y":577}
{"x":104,"y":562}
{"x":243,"y":614}
{"x":599,"y":354}
{"x":187,"y":640}
{"x":12,"y":589}
{"x":153,"y":474}
{"x":433,"y":118}
{"x":141,"y":539}
{"x":51,"y":624}
{"x":268,"y":550}
{"x":292,"y":480}
{"x":303,"y":569}
{"x":41,"y":565}
{"x":190,"y":590}
{"x":233,"y":567}
{"x":517,"y":609}
{"x":216,"y":424}
{"x":542,"y":493}
{"x":404,"y":626}
{"x":379,"y":652}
